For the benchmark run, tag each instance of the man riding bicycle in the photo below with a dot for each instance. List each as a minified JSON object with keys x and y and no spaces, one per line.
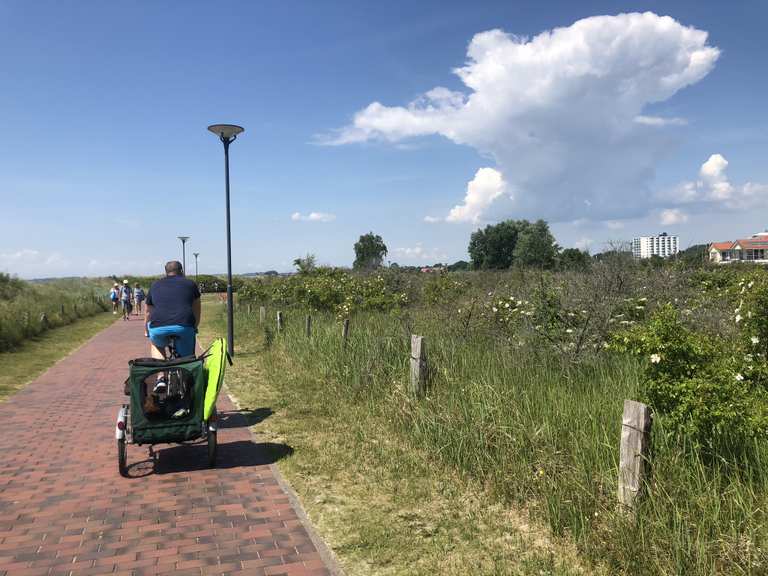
{"x":173,"y":309}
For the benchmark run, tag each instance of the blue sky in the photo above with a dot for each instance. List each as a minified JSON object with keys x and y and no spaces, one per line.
{"x":105,"y":157}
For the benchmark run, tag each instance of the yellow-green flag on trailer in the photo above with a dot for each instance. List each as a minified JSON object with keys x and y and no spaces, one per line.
{"x":214,"y":368}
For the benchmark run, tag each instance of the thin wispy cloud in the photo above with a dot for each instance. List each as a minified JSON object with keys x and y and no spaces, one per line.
{"x":420,"y":254}
{"x":313,"y":217}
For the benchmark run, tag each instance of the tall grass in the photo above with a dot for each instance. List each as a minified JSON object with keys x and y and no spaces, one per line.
{"x":541,"y":433}
{"x":23,"y":304}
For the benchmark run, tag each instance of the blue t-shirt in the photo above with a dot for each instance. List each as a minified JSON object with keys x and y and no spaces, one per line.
{"x":171,"y":299}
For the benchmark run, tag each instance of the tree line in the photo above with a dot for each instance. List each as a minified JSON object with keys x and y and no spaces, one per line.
{"x":508,"y":244}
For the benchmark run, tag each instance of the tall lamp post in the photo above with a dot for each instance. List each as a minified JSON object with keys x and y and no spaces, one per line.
{"x":184,"y":252}
{"x":227,"y":133}
{"x":196,"y":254}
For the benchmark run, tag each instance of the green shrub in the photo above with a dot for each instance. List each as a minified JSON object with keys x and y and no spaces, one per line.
{"x":699,"y":383}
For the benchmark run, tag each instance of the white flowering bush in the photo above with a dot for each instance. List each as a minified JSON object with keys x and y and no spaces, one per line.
{"x":703,"y":385}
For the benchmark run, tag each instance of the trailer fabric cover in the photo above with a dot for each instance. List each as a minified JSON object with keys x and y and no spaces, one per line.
{"x":155,"y":430}
{"x":215,"y":362}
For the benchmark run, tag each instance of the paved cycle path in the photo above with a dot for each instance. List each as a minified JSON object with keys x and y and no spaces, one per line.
{"x":64,"y":508}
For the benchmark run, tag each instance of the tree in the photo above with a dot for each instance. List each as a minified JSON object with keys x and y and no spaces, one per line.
{"x":574,"y":259}
{"x":694,"y":256}
{"x":493,"y":247}
{"x":306,"y":265}
{"x":461,"y":265}
{"x":369,"y":252}
{"x":498,"y":246}
{"x":535,"y":245}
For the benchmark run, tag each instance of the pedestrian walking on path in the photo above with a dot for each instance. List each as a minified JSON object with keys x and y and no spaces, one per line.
{"x":126,"y":299}
{"x":114,"y":297}
{"x":138,"y":298}
{"x":64,"y":509}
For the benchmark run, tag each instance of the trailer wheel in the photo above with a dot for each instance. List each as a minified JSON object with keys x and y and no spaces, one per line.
{"x":122,"y":458}
{"x":212,"y":448}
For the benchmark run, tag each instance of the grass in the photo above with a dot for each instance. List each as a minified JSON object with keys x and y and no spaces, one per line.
{"x":509,"y":465}
{"x":28,"y":309}
{"x":384,"y":504}
{"x":35,"y":355}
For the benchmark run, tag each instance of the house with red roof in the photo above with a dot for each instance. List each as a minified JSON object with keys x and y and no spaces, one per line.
{"x":754,"y":249}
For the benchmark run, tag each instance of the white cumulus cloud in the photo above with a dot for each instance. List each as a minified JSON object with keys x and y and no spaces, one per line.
{"x":313,"y":217}
{"x":487,"y":185}
{"x":714,"y":191}
{"x":562,"y":114}
{"x":672,"y":216}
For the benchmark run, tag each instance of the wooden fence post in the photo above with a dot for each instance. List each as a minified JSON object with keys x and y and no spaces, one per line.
{"x":279,"y":321}
{"x":309,"y":326}
{"x":633,"y":457}
{"x":262,"y":314}
{"x":62,"y":310}
{"x":418,"y":366}
{"x":345,"y":332}
{"x":249,"y":308}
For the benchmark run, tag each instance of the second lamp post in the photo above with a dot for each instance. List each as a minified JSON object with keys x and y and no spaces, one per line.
{"x":184,"y":252}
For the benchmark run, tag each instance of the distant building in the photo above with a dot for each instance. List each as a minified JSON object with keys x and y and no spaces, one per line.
{"x":662,"y":245}
{"x":754,"y":249}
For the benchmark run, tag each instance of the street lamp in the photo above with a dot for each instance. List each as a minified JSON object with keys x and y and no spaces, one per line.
{"x":227,"y":133}
{"x":183,"y":252}
{"x":196,"y":254}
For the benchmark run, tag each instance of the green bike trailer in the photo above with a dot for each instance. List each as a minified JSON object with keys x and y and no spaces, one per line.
{"x":180,"y":421}
{"x":185,"y":409}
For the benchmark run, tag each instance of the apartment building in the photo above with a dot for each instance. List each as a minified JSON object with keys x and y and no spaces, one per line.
{"x":662,"y":245}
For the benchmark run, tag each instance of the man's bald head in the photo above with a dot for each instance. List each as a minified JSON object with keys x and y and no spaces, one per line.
{"x":173,"y":268}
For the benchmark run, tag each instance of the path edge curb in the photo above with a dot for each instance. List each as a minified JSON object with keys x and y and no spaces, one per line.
{"x":327,"y":555}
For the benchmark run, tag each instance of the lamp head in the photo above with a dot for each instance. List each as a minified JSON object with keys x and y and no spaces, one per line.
{"x":183,"y":238}
{"x":226,"y":132}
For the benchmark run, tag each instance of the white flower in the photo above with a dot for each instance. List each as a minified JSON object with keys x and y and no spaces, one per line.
{"x":495,"y":309}
{"x":755,"y":340}
{"x":506,"y":305}
{"x":568,"y":331}
{"x":739,"y":377}
{"x":752,"y":283}
{"x":738,"y":318}
{"x":655,"y":358}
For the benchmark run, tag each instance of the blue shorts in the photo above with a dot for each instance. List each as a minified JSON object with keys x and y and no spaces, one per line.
{"x":185,"y":343}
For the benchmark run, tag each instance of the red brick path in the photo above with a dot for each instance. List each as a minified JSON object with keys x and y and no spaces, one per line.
{"x":64,"y":509}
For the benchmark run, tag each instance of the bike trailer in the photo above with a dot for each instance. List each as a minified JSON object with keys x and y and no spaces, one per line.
{"x":152,"y":424}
